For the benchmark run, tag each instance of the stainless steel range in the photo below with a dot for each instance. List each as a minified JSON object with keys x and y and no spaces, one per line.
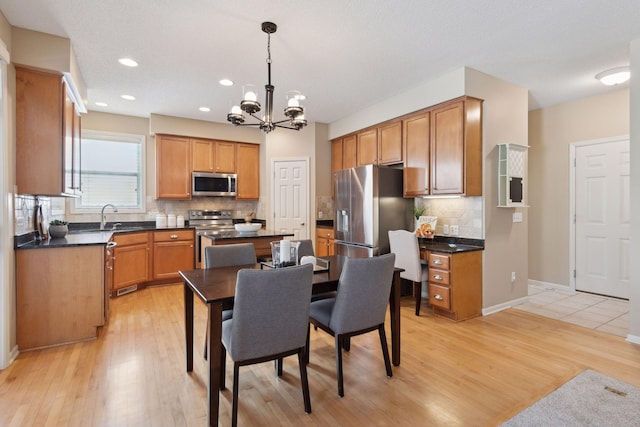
{"x":209,"y":223}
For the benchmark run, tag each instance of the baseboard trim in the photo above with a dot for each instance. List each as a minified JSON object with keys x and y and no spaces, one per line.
{"x":503,"y":306}
{"x":634,"y":339}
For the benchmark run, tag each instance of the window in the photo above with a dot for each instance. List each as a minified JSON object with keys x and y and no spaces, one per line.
{"x":111,"y":172}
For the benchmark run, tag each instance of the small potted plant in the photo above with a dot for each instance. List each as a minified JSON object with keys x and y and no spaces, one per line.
{"x":418,"y":211}
{"x":58,"y":228}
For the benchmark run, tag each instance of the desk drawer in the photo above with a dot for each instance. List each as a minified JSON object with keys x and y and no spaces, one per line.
{"x":439,"y":261}
{"x":438,"y":276}
{"x":172,"y":235}
{"x":326,"y":233}
{"x":440,"y":296}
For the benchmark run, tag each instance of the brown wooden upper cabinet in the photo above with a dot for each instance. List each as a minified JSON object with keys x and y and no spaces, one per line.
{"x":416,"y":154}
{"x":367,"y":147}
{"x":440,"y":148}
{"x":47,"y":135}
{"x":390,"y":143}
{"x":248,"y":170}
{"x":178,"y":156}
{"x":456,"y":148}
{"x":213,"y":156}
{"x":173,"y":167}
{"x":349,"y":152}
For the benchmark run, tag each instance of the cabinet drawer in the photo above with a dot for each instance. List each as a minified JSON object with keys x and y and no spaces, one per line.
{"x":440,"y":296}
{"x":325,"y":233}
{"x":439,"y":276}
{"x":439,"y":261}
{"x":131,"y":238}
{"x":172,"y":235}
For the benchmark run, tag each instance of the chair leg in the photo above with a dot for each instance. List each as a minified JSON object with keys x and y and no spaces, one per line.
{"x":234,"y":409}
{"x":223,"y":361}
{"x":385,"y":349}
{"x":339,"y":341}
{"x":306,"y":356}
{"x":346,"y":343}
{"x":279,"y":366}
{"x":417,"y":293}
{"x":304,"y":380}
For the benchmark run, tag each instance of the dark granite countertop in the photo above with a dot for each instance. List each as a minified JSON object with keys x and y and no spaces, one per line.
{"x":324,"y":223}
{"x":87,"y":234}
{"x":260,"y":234}
{"x":451,"y":245}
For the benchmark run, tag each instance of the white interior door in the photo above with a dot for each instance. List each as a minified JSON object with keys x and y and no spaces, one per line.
{"x":602,"y":218}
{"x":291,"y":197}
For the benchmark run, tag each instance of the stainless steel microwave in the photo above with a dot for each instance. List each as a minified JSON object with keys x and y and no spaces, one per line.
{"x":213,"y":184}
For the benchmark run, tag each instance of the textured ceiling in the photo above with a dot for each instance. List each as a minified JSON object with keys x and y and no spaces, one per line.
{"x":344,"y":55}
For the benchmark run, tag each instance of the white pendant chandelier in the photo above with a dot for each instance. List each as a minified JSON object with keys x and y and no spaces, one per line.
{"x":294,"y":111}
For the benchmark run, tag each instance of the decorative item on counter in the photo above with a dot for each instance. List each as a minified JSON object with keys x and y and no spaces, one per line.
{"x":171,"y":221}
{"x":249,"y":217}
{"x":418,"y":211}
{"x":38,"y":221}
{"x":284,"y":253}
{"x":161,"y":221}
{"x":58,"y":229}
{"x":427,"y":227}
{"x":180,"y":221}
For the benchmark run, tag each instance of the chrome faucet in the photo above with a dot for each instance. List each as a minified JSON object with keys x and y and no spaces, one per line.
{"x":103,"y":218}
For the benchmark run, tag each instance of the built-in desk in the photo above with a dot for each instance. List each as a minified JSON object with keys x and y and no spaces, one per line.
{"x":455,"y":276}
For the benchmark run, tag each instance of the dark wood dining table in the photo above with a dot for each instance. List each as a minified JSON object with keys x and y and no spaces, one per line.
{"x":216,"y":287}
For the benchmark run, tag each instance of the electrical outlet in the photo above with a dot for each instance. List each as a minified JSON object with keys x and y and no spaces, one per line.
{"x":517,"y":217}
{"x":513,"y":277}
{"x":454,"y":230}
{"x":445,"y":229}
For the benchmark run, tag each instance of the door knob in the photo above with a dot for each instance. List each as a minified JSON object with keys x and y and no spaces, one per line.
{"x":302,"y":223}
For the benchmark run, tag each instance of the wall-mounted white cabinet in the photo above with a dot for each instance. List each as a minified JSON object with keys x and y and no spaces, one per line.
{"x":512,"y":175}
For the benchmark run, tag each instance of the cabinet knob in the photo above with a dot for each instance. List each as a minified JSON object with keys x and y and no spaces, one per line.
{"x":437,"y":277}
{"x":174,"y":236}
{"x":438,"y":297}
{"x":437,"y":261}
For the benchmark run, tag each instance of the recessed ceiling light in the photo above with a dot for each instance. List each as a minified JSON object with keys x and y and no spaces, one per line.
{"x":102,"y":104}
{"x":226,"y":82}
{"x":128,"y":62}
{"x":614,"y":76}
{"x":205,"y":109}
{"x":128,"y":97}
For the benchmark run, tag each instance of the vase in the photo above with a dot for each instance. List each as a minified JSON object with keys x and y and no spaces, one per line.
{"x":58,"y":231}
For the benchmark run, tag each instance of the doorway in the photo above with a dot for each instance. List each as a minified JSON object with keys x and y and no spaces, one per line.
{"x":600,"y":218}
{"x":290,"y":197}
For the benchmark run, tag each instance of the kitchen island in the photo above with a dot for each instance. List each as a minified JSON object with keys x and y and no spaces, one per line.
{"x":261,"y":240}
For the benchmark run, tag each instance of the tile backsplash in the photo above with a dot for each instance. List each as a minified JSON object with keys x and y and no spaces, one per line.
{"x":465,"y":212}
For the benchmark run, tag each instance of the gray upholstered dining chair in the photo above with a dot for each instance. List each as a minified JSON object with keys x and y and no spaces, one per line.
{"x":227,"y":256}
{"x":359,"y":307}
{"x":270,"y":321}
{"x":404,"y":244}
{"x":305,"y":248}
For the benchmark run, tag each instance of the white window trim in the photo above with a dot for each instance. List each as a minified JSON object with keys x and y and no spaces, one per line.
{"x":122,"y":137}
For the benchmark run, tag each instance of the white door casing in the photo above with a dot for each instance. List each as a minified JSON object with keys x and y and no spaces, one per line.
{"x":602,"y":193}
{"x":290,"y":197}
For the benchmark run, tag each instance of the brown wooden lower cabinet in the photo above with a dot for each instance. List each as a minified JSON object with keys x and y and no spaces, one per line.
{"x":59,"y":295}
{"x":145,"y":257}
{"x":455,"y":283}
{"x":172,"y":251}
{"x":130,"y":260}
{"x":325,"y":245}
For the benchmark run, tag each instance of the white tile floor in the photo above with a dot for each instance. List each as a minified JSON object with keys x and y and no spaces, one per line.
{"x":605,"y":314}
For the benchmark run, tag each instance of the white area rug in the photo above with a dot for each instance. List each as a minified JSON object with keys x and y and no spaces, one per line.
{"x":589,"y":399}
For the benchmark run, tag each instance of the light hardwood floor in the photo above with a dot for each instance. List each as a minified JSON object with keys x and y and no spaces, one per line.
{"x":479,"y":372}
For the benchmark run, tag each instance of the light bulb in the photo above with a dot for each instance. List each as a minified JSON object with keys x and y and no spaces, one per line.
{"x":250,"y":96}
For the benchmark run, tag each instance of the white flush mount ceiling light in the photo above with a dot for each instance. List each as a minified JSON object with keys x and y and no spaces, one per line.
{"x":205,"y":109}
{"x":294,"y":111}
{"x":614,"y":76}
{"x":226,"y":82}
{"x":128,"y":97}
{"x":128,"y":62}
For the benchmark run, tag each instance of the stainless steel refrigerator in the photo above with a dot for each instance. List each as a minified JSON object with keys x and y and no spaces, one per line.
{"x":369,"y":203}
